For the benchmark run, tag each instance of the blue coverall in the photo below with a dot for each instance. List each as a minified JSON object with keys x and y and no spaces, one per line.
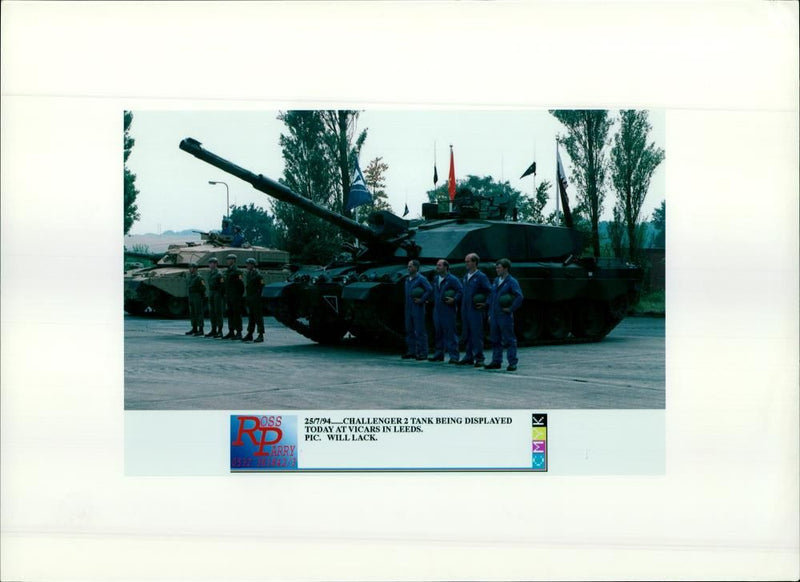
{"x":444,"y":316}
{"x":501,"y":324}
{"x":416,"y":334}
{"x":471,"y":317}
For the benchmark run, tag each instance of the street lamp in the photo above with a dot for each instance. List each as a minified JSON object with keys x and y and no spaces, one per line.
{"x":227,"y":197}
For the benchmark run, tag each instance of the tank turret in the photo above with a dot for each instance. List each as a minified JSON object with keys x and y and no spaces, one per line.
{"x":567,"y":297}
{"x":160,"y":289}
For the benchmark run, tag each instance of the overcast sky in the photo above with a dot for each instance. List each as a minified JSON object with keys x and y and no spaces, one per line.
{"x":174,"y":193}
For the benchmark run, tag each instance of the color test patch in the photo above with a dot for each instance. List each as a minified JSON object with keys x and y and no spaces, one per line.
{"x":539,"y":442}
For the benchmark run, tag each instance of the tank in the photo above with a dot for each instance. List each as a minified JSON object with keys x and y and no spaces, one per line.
{"x":161,"y":288}
{"x":568,"y":297}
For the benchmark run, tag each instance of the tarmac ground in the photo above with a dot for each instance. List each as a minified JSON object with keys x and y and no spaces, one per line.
{"x":167,"y":370}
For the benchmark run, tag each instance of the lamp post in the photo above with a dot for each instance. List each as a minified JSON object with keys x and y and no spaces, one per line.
{"x":227,"y":197}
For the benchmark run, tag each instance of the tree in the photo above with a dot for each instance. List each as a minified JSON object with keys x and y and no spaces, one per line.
{"x":129,"y":192}
{"x":659,"y":222}
{"x":585,"y":142}
{"x":376,"y":184}
{"x":311,"y":172}
{"x":530,"y":209}
{"x":339,"y":136}
{"x":616,"y":232}
{"x":633,"y":162}
{"x":258,"y":226}
{"x":500,"y":192}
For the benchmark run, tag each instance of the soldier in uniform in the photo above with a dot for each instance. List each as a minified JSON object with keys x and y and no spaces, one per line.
{"x":472,"y":312}
{"x":505,"y":299}
{"x":216,"y":292}
{"x":254,"y":282}
{"x":418,"y":290}
{"x":234,"y":291}
{"x":197,"y":293}
{"x":446,"y":295}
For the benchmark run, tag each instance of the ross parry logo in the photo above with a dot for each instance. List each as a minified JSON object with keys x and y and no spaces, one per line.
{"x":265,"y":442}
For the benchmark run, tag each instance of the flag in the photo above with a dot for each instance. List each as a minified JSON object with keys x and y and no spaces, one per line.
{"x":358,"y":190}
{"x":435,"y":175}
{"x":562,"y":188}
{"x":406,"y":210}
{"x":562,"y":178}
{"x":531,"y":170}
{"x":451,"y":181}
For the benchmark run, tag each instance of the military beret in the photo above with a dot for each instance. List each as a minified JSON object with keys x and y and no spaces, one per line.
{"x":231,"y":256}
{"x":213,"y":260}
{"x":193,"y":265}
{"x":251,"y":261}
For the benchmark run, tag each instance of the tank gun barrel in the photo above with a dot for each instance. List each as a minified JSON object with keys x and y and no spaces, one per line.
{"x":280,"y":192}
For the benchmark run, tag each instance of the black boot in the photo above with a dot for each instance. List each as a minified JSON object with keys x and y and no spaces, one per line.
{"x":212,"y":333}
{"x":248,"y":337}
{"x":199,"y":332}
{"x":237,"y":335}
{"x":259,"y":339}
{"x":229,"y":336}
{"x":192,"y":332}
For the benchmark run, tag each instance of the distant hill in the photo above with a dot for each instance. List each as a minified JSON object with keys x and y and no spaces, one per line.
{"x":159,"y":243}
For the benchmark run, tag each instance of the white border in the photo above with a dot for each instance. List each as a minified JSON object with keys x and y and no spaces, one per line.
{"x":725,"y":72}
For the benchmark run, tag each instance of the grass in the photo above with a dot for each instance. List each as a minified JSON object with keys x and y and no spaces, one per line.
{"x":652,"y":303}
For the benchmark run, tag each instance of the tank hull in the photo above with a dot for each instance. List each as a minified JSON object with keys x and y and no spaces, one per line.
{"x":580,"y":301}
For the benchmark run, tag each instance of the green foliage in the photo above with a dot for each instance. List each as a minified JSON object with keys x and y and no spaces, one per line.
{"x":528,"y":210}
{"x":129,"y":191}
{"x":374,"y":176}
{"x":633,"y":162}
{"x":311,"y":172}
{"x":141,"y":248}
{"x":652,"y":303}
{"x":585,"y":143}
{"x":582,"y":223}
{"x":616,"y":233}
{"x":258,"y":226}
{"x":659,"y":222}
{"x":343,"y":145}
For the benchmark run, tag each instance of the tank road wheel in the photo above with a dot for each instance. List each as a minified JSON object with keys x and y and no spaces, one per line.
{"x":134,"y":307}
{"x":324,"y":332}
{"x":529,"y":324}
{"x":177,"y":307}
{"x":590,"y":321}
{"x":557,"y":321}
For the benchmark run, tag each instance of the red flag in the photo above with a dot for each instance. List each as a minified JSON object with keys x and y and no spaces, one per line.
{"x":451,"y":186}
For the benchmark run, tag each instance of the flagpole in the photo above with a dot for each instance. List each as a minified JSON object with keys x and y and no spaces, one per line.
{"x":533,"y":194}
{"x":451,"y":176}
{"x":558,"y":182}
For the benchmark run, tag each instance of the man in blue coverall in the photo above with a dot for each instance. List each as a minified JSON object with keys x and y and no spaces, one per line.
{"x":505,"y":299}
{"x":446,"y":295}
{"x":472,"y":312}
{"x":418,"y":291}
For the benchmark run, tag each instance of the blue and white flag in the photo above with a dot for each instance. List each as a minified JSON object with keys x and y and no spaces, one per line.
{"x":358,"y":190}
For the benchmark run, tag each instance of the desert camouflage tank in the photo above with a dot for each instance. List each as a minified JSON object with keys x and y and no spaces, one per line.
{"x":568,"y":298}
{"x":161,"y":289}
